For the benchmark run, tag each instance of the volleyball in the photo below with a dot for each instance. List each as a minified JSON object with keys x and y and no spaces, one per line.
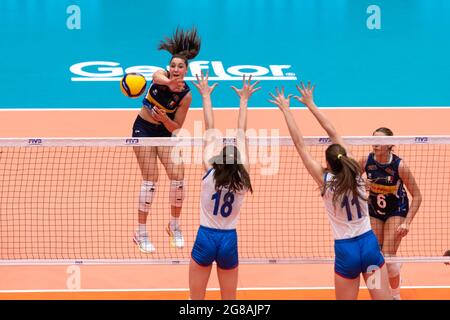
{"x":133,"y":84}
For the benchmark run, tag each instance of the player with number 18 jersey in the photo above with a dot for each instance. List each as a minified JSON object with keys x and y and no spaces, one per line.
{"x":219,"y":209}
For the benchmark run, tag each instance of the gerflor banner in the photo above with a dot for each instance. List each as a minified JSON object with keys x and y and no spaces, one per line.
{"x":360,"y":54}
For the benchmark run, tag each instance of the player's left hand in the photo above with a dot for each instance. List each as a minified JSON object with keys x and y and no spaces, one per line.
{"x":403,"y":229}
{"x":159,"y":115}
{"x":247,"y":88}
{"x":280,"y":100}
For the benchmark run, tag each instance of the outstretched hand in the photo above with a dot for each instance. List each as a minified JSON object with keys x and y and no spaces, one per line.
{"x":306,"y":94}
{"x":280,"y":100}
{"x":202,"y":84}
{"x":247,"y":89}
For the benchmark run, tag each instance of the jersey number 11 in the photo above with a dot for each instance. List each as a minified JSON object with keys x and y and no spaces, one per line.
{"x":345,"y":203}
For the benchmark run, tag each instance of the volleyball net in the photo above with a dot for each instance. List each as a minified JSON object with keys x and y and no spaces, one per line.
{"x":76,"y":200}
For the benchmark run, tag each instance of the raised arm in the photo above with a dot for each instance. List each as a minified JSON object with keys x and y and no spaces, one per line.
{"x":308,"y":100}
{"x":244,"y":94}
{"x":205,"y":91}
{"x":313,"y":166}
{"x":175,"y":84}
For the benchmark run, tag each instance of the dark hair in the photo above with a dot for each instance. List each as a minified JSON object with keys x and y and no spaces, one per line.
{"x":182,"y":44}
{"x":447,"y":254}
{"x":347,"y":172}
{"x":386,"y":131}
{"x":229,"y":172}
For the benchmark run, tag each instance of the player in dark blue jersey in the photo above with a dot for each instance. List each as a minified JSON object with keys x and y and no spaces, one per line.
{"x":163,"y":112}
{"x":390,"y":211}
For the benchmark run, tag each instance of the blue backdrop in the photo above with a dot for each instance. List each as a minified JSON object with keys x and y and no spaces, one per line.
{"x":395,"y":54}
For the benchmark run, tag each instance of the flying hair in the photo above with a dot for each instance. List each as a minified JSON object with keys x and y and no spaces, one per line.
{"x":185,"y":44}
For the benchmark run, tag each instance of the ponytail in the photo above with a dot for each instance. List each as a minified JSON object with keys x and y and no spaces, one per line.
{"x":229,"y":172}
{"x":347,"y":173}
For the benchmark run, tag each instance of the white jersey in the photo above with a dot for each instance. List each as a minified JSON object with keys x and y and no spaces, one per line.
{"x":349,"y":217}
{"x":219,"y":209}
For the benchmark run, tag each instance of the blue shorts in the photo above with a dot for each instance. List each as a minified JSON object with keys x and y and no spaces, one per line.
{"x":142,"y":129}
{"x":356,"y":255}
{"x":216,"y":245}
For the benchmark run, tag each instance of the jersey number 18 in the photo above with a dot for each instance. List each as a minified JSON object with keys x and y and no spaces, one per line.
{"x":227,"y":206}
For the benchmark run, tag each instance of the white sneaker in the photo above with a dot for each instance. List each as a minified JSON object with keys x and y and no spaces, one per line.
{"x":143,"y":242}
{"x":176,"y":237}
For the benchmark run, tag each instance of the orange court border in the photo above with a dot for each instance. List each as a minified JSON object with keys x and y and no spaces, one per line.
{"x":287,"y":281}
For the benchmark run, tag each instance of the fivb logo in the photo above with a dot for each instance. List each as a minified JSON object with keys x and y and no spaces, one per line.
{"x":34,"y":142}
{"x":112,"y":71}
{"x":421,"y":140}
{"x":131,"y":141}
{"x":324,"y":140}
{"x":229,"y":141}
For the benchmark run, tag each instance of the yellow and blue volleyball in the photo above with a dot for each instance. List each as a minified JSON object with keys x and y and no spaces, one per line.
{"x":133,"y":84}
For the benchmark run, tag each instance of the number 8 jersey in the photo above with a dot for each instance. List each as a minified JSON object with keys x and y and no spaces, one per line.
{"x":219,"y":209}
{"x":388,"y":196}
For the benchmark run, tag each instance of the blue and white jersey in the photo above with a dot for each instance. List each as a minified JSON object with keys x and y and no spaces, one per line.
{"x":219,"y":209}
{"x":349,"y":216}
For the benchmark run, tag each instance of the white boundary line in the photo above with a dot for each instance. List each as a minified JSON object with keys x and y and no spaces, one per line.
{"x":228,"y":78}
{"x":198,"y":108}
{"x":208,"y":289}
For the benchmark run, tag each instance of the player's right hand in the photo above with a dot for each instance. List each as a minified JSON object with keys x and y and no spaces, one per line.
{"x":176,"y":84}
{"x":280,"y":100}
{"x":307,"y":93}
{"x":202,"y":84}
{"x":247,"y":88}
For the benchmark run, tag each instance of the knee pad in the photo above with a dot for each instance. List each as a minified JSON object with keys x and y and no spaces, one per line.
{"x":393,"y":268}
{"x":176,"y":193}
{"x":146,"y":195}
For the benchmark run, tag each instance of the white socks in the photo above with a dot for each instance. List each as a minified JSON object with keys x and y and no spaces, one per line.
{"x":142,"y":228}
{"x":174,"y":223}
{"x":396,"y":293}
